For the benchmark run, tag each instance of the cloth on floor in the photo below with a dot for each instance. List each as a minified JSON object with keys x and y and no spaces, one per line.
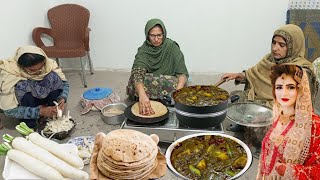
{"x":97,"y":98}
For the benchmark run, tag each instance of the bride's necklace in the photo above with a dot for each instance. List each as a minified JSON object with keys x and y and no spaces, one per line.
{"x":284,"y":119}
{"x":277,"y":142}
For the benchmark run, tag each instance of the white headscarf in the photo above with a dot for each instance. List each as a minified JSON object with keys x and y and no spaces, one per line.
{"x":11,"y":74}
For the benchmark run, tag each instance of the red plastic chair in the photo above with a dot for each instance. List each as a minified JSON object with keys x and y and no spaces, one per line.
{"x":70,"y":33}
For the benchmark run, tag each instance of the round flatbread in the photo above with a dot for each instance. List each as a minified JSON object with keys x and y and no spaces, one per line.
{"x":127,"y":145}
{"x":158,"y":108}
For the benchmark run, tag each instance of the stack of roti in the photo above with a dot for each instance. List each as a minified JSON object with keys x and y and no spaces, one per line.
{"x":127,"y":154}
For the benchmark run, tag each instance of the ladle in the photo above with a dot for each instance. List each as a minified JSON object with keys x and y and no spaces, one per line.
{"x":219,"y":82}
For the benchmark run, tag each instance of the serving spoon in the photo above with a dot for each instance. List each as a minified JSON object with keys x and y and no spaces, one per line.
{"x":219,"y":82}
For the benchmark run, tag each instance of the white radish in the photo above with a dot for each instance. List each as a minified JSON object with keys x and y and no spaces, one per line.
{"x":59,"y":111}
{"x":34,"y":165}
{"x":43,"y":155}
{"x":56,"y":150}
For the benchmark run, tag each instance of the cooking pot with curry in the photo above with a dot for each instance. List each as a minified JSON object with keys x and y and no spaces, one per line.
{"x":201,"y":106}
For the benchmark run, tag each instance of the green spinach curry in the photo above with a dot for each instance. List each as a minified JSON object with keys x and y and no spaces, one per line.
{"x":201,"y":95}
{"x":208,"y":157}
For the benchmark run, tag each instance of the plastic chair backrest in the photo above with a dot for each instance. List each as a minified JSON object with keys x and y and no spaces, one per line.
{"x":68,"y":23}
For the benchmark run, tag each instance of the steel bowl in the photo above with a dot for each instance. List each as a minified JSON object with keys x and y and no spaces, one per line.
{"x":174,"y":144}
{"x":115,"y":119}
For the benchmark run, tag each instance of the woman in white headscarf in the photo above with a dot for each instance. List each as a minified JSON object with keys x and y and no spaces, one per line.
{"x":29,"y":83}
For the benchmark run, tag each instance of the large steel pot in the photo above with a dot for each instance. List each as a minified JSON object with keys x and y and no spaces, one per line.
{"x":201,"y":116}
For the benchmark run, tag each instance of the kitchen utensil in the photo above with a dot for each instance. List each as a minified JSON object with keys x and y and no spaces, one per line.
{"x":250,"y":114}
{"x":201,"y":116}
{"x":116,"y":118}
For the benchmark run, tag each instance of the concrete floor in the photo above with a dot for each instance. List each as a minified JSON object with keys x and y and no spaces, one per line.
{"x":91,"y":123}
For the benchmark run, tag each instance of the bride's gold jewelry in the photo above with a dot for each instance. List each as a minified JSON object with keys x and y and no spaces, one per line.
{"x":284,"y":119}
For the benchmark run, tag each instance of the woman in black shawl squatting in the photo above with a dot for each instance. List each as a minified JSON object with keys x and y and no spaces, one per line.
{"x":158,"y":68}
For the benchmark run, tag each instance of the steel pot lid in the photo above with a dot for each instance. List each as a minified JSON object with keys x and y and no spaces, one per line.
{"x":250,"y":114}
{"x":97,"y":93}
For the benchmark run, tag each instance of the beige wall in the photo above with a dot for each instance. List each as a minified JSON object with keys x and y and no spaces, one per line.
{"x":211,"y":33}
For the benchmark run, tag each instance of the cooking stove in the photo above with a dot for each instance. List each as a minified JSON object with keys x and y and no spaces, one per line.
{"x":170,"y":129}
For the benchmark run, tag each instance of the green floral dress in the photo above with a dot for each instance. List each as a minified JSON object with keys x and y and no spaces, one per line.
{"x":157,"y":67}
{"x":154,"y":85}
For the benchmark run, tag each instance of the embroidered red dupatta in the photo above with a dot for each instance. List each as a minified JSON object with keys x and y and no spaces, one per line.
{"x":299,"y":146}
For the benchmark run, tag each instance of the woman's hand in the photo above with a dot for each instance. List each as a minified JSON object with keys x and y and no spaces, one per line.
{"x":145,"y":106}
{"x":144,"y":102}
{"x":231,"y":76}
{"x":182,"y":79}
{"x":179,"y":86}
{"x":48,"y":111}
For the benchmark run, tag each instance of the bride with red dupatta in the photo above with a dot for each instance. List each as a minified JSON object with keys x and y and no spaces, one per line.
{"x":290,"y":149}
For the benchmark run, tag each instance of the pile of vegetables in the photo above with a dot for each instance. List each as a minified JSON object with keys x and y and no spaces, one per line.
{"x":42,"y":156}
{"x":85,"y":150}
{"x":59,"y":124}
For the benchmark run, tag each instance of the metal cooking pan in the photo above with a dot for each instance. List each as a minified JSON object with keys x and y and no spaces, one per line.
{"x":167,"y":100}
{"x":256,"y":118}
{"x":196,"y":116}
{"x":130,"y":116}
{"x":201,"y":116}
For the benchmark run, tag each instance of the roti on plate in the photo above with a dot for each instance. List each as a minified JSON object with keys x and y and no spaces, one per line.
{"x":128,"y":146}
{"x":158,"y":108}
{"x":127,"y":154}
